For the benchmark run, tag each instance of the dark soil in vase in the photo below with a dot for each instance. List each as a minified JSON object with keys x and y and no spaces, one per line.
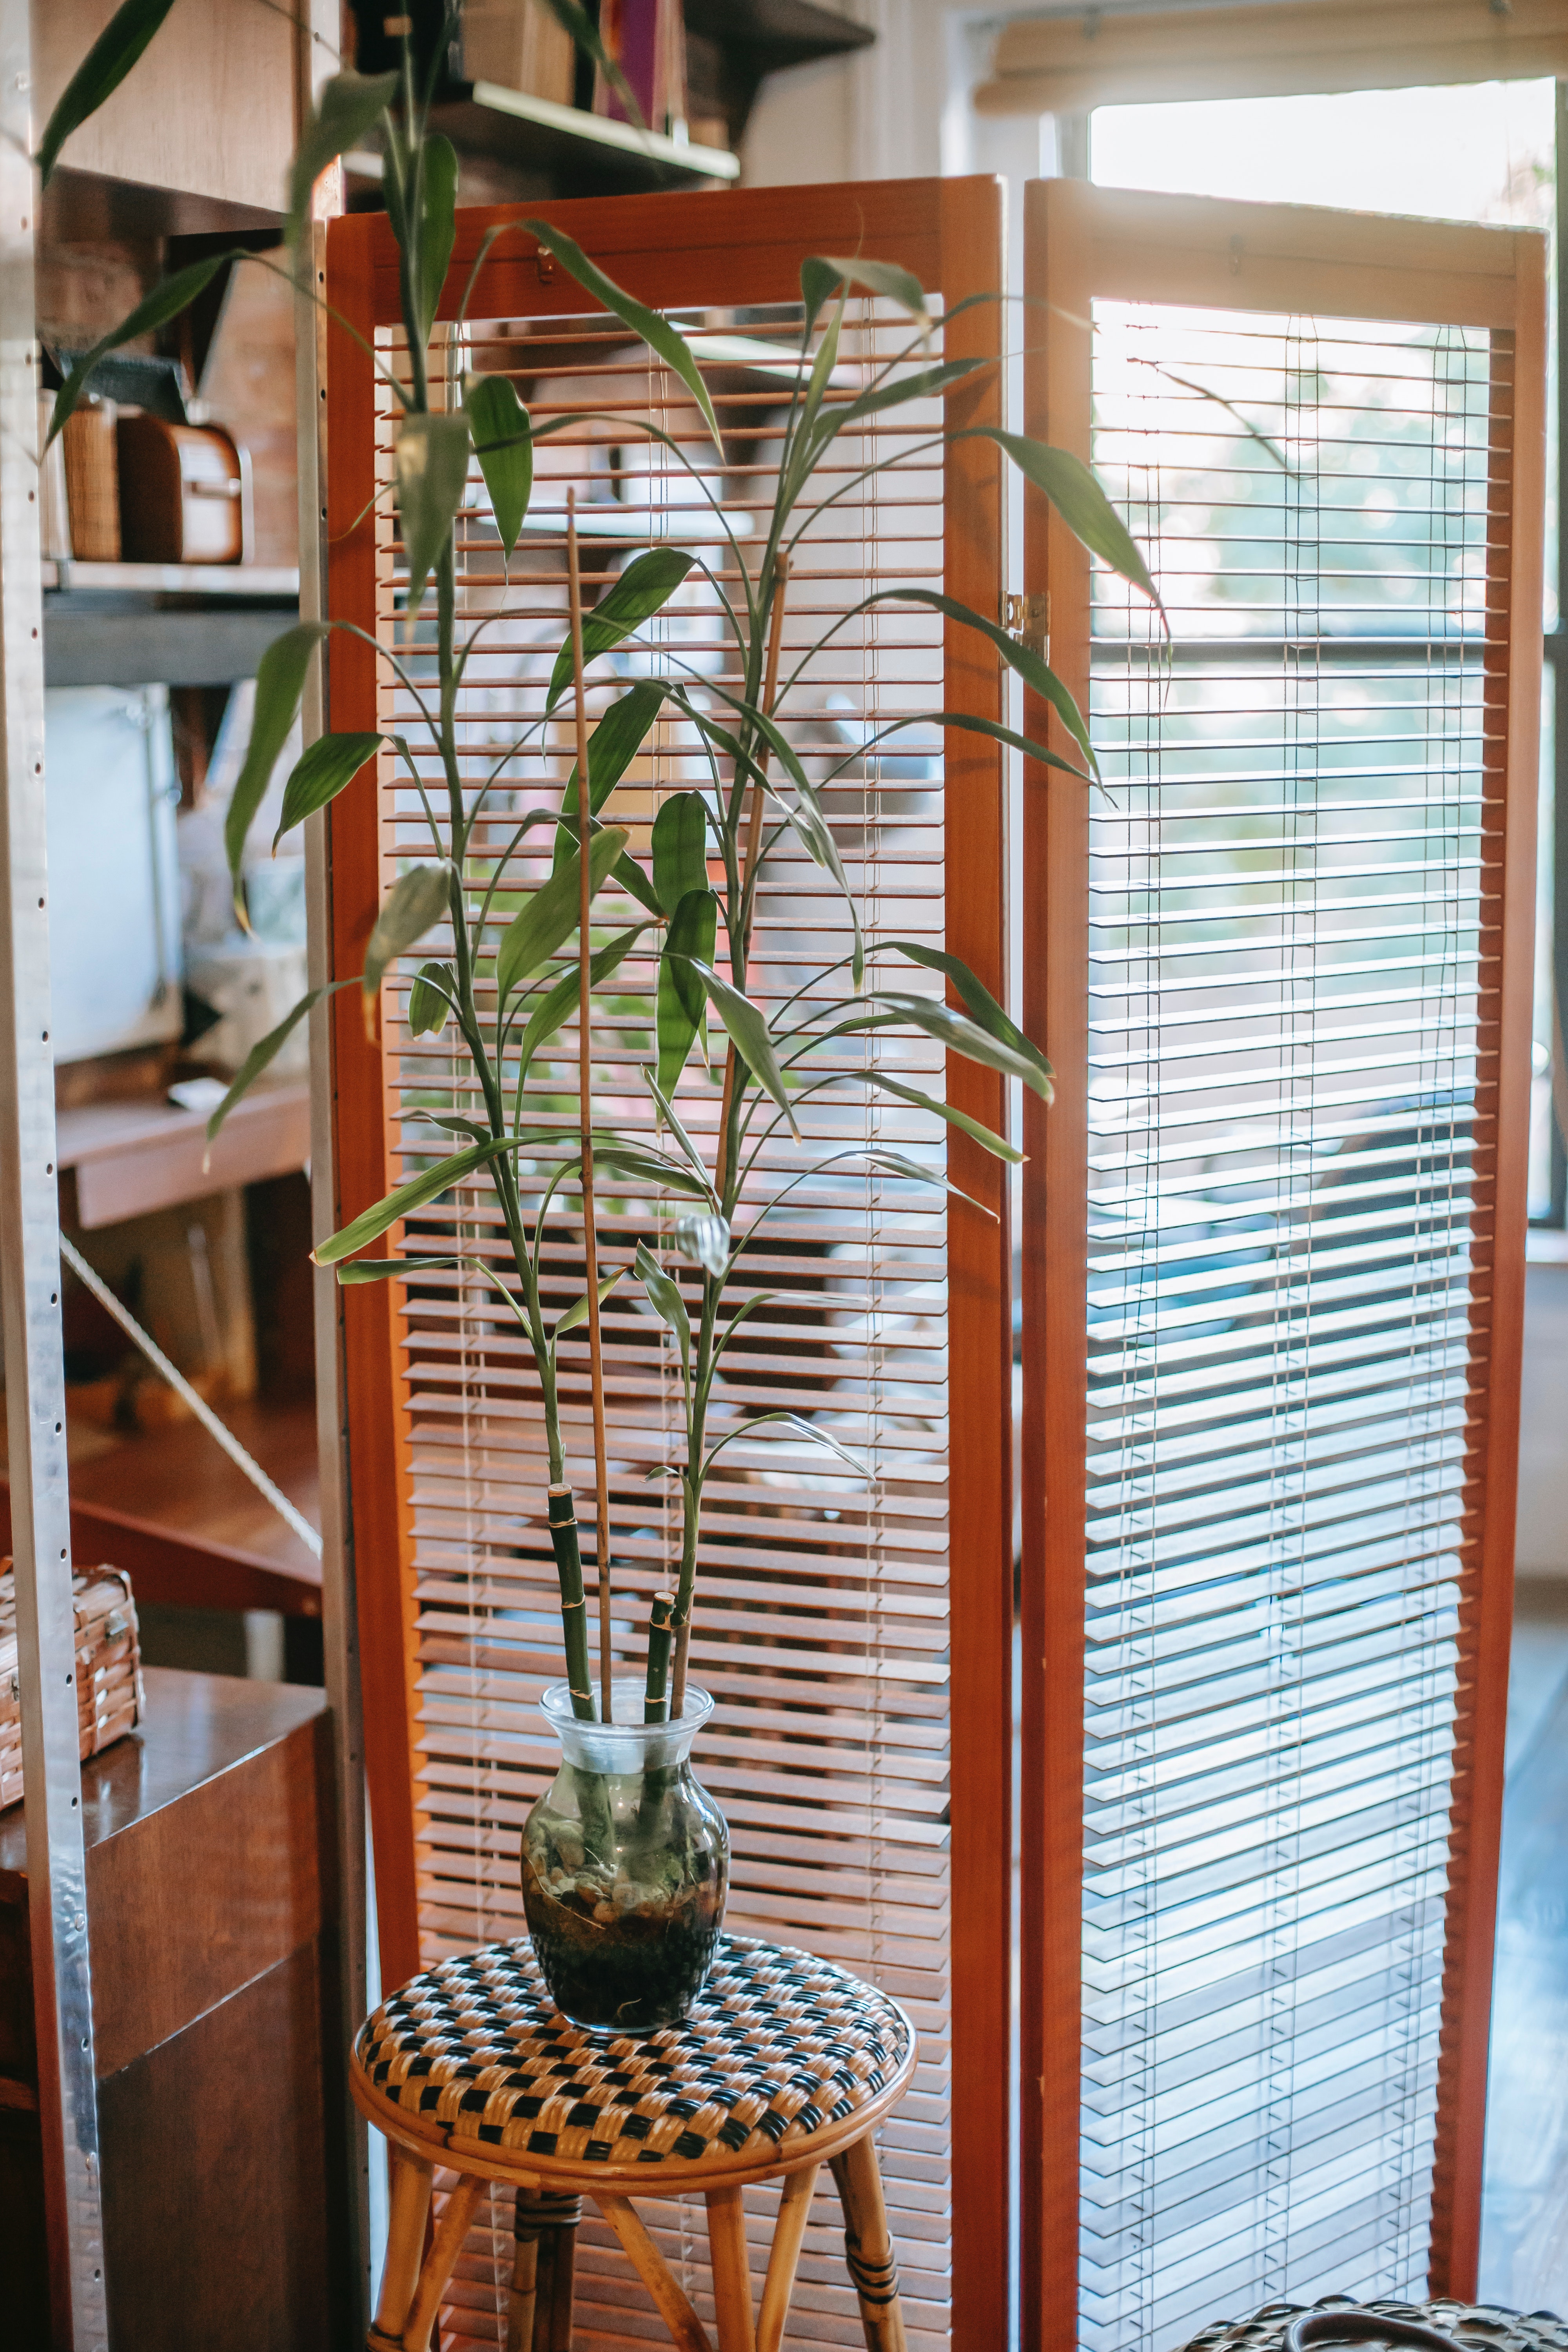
{"x":637,"y":1969}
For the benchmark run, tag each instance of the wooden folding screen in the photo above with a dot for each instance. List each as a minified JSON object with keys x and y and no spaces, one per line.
{"x":854,"y":1628}
{"x":1273,"y":1252}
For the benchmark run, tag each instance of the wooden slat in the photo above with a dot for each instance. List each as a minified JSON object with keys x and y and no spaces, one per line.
{"x":371,"y":1321}
{"x":1513,"y":603}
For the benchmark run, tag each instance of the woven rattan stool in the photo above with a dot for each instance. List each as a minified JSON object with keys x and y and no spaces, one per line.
{"x":786,"y":2063}
{"x":1486,"y":2327}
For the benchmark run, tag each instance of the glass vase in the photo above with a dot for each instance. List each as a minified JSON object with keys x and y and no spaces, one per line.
{"x":625,"y":1863}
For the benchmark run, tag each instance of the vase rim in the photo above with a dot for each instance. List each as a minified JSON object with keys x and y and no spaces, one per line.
{"x":627,"y":1729}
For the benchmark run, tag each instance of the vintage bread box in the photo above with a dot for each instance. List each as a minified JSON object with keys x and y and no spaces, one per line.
{"x":184,"y":493}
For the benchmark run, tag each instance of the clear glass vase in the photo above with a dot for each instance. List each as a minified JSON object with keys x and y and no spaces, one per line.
{"x":625,"y":1863}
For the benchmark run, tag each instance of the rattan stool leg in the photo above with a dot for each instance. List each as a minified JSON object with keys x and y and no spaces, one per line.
{"x":654,"y":2273}
{"x":869,"y":2246}
{"x":539,"y":2309}
{"x":440,"y":2263}
{"x":784,"y":2256}
{"x":731,"y":2271}
{"x":409,"y":2204}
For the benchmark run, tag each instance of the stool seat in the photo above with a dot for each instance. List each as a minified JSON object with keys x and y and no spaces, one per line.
{"x":778,"y":2047}
{"x":786,"y":2063}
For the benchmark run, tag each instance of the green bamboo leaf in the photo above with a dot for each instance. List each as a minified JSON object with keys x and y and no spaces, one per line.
{"x":968,"y":723}
{"x":430,"y":1000}
{"x":503,"y":444}
{"x":612,"y":747}
{"x":388,"y":1269}
{"x":430,"y":470}
{"x":923,"y":386}
{"x":806,"y":818}
{"x":1036,"y":673}
{"x":682,"y":1004}
{"x":668,"y":1303}
{"x":551,"y":915}
{"x":962,"y":1035}
{"x":758,"y":1298}
{"x":416,"y":900}
{"x":679,"y":849}
{"x":451,"y":1122}
{"x":326,"y":767}
{"x":823,"y":272}
{"x":704,"y":1239}
{"x":576,"y":1314}
{"x":647,"y":583}
{"x":1078,"y":498}
{"x":749,"y":1029}
{"x":99,"y":74}
{"x":267,"y":1050}
{"x":279,"y":686}
{"x":166,"y":301}
{"x":351,"y":106}
{"x":555,"y":1008}
{"x":997,"y":1145}
{"x":670,"y":1117}
{"x":899,"y":1163}
{"x":802,"y":1428}
{"x":438,"y":226}
{"x":638,"y":1165}
{"x":371,"y":1223}
{"x":653,"y":331}
{"x":978,"y":1001}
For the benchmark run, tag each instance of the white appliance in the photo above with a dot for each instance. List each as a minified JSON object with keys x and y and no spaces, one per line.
{"x":114,"y":888}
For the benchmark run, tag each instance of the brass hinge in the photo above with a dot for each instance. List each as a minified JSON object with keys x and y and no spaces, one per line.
{"x":1028,"y":618}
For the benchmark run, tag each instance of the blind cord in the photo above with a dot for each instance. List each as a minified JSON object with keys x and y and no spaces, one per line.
{"x":203,"y":1412}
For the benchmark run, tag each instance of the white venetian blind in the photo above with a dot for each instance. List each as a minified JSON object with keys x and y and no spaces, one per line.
{"x":1292,"y":1122}
{"x":821,"y":1618}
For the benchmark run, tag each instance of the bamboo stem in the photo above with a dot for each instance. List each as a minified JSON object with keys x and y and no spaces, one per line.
{"x":655,"y":1701}
{"x":585,"y":1112}
{"x":751,"y":845}
{"x":573,"y":1608}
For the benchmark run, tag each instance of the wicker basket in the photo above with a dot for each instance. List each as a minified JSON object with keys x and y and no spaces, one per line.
{"x":92,"y":481}
{"x":109,"y":1698}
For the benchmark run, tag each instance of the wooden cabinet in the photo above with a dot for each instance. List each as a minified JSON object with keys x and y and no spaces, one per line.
{"x":215,"y":2025}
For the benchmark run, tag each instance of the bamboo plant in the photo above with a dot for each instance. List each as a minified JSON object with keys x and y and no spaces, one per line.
{"x":506,"y":997}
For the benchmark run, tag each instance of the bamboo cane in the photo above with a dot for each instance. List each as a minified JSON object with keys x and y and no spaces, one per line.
{"x":751,"y":845}
{"x":750,"y":851}
{"x":585,"y":1113}
{"x":656,"y":1699}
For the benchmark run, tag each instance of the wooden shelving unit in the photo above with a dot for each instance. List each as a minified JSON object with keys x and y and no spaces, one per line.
{"x":182,"y":625}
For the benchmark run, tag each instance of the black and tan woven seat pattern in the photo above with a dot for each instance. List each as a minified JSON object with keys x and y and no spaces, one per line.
{"x":1486,"y":2327}
{"x":777,"y":2046}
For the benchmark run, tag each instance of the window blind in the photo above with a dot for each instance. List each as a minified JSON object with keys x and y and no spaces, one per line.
{"x":1292,"y":913}
{"x":824,"y":1619}
{"x":1141,"y":52}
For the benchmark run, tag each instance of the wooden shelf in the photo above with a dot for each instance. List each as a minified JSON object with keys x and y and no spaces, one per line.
{"x":162,"y":624}
{"x":230,"y":581}
{"x":580,"y":153}
{"x":129,"y":1158}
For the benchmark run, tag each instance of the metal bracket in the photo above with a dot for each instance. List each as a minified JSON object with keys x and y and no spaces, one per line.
{"x":1028,"y":618}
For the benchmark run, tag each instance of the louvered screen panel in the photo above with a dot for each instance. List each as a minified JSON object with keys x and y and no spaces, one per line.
{"x":1293,"y":922}
{"x":823,"y":1623}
